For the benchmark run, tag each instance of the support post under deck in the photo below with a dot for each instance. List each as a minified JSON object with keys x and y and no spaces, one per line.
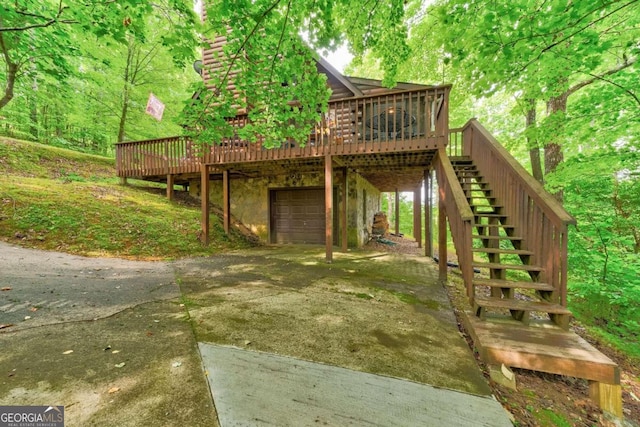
{"x":204,"y":200}
{"x":170,"y":182}
{"x":343,"y":211}
{"x":226,"y":202}
{"x":428,"y":223}
{"x":417,"y":215}
{"x":442,"y":238}
{"x":328,"y":204}
{"x":397,"y":225}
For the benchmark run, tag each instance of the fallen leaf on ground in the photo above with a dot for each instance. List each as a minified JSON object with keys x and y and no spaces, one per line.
{"x":67,"y":352}
{"x":113,"y":390}
{"x":119,"y":365}
{"x":149,"y":333}
{"x":6,"y":288}
{"x":6,"y":325}
{"x":32,"y":309}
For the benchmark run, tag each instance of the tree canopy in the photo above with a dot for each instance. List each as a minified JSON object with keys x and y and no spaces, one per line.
{"x":272,"y":45}
{"x":49,"y":48}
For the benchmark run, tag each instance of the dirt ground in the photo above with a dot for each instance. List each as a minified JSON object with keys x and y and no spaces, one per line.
{"x":542,"y":399}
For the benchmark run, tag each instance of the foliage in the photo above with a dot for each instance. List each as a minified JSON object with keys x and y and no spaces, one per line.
{"x":280,"y":87}
{"x":602,"y":190}
{"x":544,"y":51}
{"x":405,"y":211}
{"x":47,"y":49}
{"x":61,"y":200}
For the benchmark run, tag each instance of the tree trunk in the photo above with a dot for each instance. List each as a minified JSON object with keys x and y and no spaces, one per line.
{"x":123,"y":115}
{"x":12,"y":70}
{"x":532,"y":142}
{"x":553,"y":153}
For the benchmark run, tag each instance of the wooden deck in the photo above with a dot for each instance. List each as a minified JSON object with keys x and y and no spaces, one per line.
{"x":377,"y":131}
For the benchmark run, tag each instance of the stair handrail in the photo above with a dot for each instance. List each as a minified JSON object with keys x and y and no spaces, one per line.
{"x":459,"y":213}
{"x":538,"y":218}
{"x":552,"y":206}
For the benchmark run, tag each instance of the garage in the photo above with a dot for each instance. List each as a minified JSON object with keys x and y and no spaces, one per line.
{"x":297,"y":215}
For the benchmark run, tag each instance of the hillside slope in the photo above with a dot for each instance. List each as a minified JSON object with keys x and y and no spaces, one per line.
{"x":57,"y":199}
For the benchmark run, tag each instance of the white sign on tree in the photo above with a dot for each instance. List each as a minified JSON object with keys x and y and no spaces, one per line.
{"x":155,"y":107}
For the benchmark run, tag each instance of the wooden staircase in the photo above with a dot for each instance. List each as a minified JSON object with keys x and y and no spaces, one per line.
{"x":515,"y":285}
{"x":506,"y":226}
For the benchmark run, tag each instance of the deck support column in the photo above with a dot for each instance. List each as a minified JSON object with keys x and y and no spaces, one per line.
{"x":328,"y":205}
{"x":417,"y":215}
{"x":343,"y":211}
{"x":170,"y":182}
{"x":428,"y":223}
{"x":204,"y":200}
{"x":397,"y":219}
{"x":607,"y":396}
{"x":226,"y":202}
{"x":442,"y":237}
{"x":123,"y":180}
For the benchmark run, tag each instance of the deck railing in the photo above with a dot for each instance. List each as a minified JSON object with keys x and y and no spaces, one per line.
{"x":460,"y":216}
{"x":536,"y":215}
{"x":399,"y":121}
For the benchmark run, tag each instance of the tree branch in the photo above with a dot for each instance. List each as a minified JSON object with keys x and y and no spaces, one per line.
{"x":51,"y":21}
{"x":602,"y":76}
{"x":578,"y":31}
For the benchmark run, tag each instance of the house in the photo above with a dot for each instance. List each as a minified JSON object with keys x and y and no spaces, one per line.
{"x":373,"y":140}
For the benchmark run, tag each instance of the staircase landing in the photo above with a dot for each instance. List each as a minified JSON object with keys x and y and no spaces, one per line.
{"x":540,"y":346}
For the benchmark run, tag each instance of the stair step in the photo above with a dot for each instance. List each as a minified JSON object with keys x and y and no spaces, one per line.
{"x":477,"y":224}
{"x":476,"y":207}
{"x":512,"y":238}
{"x":502,"y":251}
{"x":478,"y":183}
{"x":514,"y":304}
{"x":476,"y":190}
{"x":496,"y":266}
{"x":488,"y":215}
{"x":497,"y":283}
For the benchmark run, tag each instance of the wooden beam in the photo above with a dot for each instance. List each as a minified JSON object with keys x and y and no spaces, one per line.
{"x":397,"y":225}
{"x":607,"y":396}
{"x":170,"y":182}
{"x":442,"y":238}
{"x":226,"y":202}
{"x":328,"y":205}
{"x":343,"y":211}
{"x":417,"y":215}
{"x":204,"y":200}
{"x":428,"y":222}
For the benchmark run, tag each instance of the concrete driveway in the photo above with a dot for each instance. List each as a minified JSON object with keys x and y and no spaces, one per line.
{"x":116,"y":341}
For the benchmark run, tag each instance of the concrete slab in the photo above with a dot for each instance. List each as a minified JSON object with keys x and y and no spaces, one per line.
{"x":54,"y":287}
{"x":260,"y":389}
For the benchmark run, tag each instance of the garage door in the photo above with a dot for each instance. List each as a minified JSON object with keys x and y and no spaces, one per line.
{"x":297,"y":216}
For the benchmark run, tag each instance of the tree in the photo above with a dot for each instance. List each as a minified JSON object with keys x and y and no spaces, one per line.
{"x":543,"y":50}
{"x":265,"y":44}
{"x":38,"y":37}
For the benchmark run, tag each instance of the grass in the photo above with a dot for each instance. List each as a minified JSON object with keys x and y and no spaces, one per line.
{"x":56,"y":199}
